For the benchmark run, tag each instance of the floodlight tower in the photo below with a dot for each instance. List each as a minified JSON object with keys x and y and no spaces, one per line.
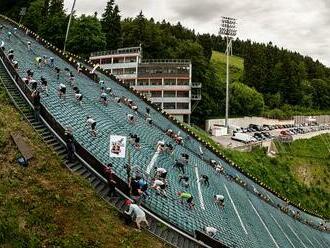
{"x":69,"y":23}
{"x":228,"y":29}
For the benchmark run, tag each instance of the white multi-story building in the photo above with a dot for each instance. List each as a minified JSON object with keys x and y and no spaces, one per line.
{"x":166,"y":82}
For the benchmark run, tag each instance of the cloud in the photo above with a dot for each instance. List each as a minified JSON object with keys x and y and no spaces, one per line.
{"x":298,"y":25}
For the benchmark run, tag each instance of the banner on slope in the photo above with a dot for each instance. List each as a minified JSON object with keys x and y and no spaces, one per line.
{"x":117,"y":147}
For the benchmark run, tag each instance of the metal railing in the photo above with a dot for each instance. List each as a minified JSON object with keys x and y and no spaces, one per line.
{"x":118,"y":51}
{"x":196,"y":85}
{"x":166,"y":61}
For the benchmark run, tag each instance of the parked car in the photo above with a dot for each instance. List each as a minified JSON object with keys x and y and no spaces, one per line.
{"x":255,"y":127}
{"x":243,"y":137}
{"x":267,"y":135}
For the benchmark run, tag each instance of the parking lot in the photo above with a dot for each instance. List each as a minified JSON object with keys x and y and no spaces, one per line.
{"x":266,"y":134}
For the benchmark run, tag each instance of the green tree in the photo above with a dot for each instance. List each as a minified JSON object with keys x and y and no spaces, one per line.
{"x":54,"y":28}
{"x":86,"y":36}
{"x":56,"y":7}
{"x":245,"y":100}
{"x":111,"y":26}
{"x":321,"y":93}
{"x":33,"y":18}
{"x":206,"y":42}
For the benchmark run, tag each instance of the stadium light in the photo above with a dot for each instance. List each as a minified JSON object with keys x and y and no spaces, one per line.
{"x":228,"y":28}
{"x":68,"y":28}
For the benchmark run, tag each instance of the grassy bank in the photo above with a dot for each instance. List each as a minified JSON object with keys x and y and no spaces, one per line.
{"x":218,"y":60}
{"x":301,"y":171}
{"x":44,"y":205}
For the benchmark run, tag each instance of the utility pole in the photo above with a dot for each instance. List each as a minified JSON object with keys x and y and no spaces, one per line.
{"x":69,"y":23}
{"x":228,"y":29}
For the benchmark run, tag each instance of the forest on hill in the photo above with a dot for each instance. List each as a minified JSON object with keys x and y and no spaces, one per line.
{"x":275,"y":82}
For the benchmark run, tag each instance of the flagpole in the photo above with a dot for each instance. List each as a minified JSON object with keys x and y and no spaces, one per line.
{"x":68,"y":28}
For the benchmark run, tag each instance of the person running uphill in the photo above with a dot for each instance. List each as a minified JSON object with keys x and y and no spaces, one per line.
{"x":184,"y":196}
{"x":92,"y":124}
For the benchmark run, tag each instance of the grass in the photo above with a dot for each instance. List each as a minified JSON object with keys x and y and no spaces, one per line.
{"x":218,"y":60}
{"x":300,"y":172}
{"x":45,"y":205}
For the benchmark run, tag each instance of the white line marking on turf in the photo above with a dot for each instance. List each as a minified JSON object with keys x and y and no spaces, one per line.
{"x":308,"y":239}
{"x":282,"y":230}
{"x":152,"y":162}
{"x":296,"y":235}
{"x":239,"y":217}
{"x":263,"y":223}
{"x":318,"y":242}
{"x":199,"y":189}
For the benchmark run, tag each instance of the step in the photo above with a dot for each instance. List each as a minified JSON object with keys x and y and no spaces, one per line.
{"x":100,"y":187}
{"x":77,"y":168}
{"x":86,"y":174}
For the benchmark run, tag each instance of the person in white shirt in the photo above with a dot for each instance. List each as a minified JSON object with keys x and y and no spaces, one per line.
{"x":78,"y":97}
{"x":130,"y":118}
{"x":160,"y":147}
{"x":149,"y":120}
{"x":62,"y":91}
{"x":159,"y":186}
{"x":160,"y":172}
{"x":211,"y":231}
{"x":29,"y":46}
{"x":92,"y":123}
{"x":78,"y":67}
{"x":2,"y":45}
{"x":104,"y":99}
{"x":139,"y":214}
{"x":219,"y":199}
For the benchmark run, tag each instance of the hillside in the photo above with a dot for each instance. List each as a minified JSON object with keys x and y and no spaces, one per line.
{"x":300,"y":172}
{"x":44,"y":205}
{"x":218,"y":60}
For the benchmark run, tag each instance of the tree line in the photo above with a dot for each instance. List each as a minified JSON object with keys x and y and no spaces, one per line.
{"x":275,"y":81}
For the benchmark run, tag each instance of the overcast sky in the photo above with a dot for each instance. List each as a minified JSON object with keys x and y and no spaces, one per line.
{"x":298,"y":25}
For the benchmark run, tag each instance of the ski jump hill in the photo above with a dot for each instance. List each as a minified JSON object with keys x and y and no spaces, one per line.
{"x":253,"y":216}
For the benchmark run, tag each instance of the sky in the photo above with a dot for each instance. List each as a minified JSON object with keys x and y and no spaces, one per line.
{"x":297,"y":25}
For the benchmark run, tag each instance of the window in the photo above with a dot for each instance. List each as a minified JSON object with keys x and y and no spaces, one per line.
{"x":130,"y":82}
{"x":142,"y":82}
{"x":156,"y":94}
{"x":130,"y":59}
{"x":183,"y":81}
{"x":182,"y":94}
{"x":118,"y":60}
{"x":130,"y":70}
{"x":155,"y":82}
{"x":106,"y":61}
{"x":158,"y":104}
{"x":169,"y":82}
{"x":182,"y":105}
{"x":117,"y":71}
{"x":169,"y":105}
{"x":169,"y":93}
{"x":95,"y":61}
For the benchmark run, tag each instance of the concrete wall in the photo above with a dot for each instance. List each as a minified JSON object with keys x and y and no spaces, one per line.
{"x":245,"y":121}
{"x":320,"y":119}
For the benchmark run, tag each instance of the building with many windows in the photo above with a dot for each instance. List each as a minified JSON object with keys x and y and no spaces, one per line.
{"x":166,"y":82}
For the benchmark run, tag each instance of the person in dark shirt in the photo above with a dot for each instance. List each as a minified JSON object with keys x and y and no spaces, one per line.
{"x":36,"y":103}
{"x":111,"y":182}
{"x":71,"y":150}
{"x":204,"y":179}
{"x":58,"y":70}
